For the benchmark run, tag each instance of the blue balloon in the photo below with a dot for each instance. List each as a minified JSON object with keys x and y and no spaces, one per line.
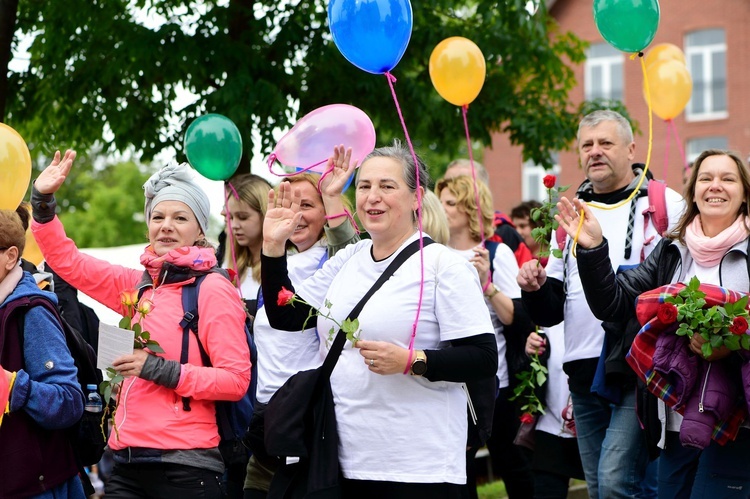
{"x":371,"y":34}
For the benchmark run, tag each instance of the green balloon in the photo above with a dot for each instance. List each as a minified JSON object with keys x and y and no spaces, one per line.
{"x":627,"y":25}
{"x":213,"y":146}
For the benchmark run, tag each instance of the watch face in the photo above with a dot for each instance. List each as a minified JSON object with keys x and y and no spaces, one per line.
{"x":419,"y":367}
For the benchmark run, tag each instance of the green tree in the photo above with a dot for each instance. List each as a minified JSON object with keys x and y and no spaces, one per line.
{"x":97,"y":73}
{"x":112,"y":213}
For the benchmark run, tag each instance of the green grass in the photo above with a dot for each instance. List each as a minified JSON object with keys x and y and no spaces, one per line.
{"x":492,"y":490}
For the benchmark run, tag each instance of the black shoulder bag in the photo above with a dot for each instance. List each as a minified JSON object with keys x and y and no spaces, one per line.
{"x":300,"y":419}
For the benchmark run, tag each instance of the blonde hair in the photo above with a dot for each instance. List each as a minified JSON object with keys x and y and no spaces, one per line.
{"x":434,"y":221}
{"x":253,"y":191}
{"x":462,"y":188}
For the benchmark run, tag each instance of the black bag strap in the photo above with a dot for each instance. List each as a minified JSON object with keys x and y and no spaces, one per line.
{"x":338,"y":344}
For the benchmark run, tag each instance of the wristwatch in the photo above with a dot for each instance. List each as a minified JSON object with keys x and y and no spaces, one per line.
{"x":419,"y":364}
{"x":492,"y":291}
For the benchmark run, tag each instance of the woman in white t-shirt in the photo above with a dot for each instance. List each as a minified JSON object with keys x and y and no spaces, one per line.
{"x":400,"y":412}
{"x":323,"y":229}
{"x":246,"y":199}
{"x":498,"y":279}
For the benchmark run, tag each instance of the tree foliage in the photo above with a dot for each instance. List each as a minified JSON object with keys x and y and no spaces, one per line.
{"x":99,"y":73}
{"x":98,"y":205}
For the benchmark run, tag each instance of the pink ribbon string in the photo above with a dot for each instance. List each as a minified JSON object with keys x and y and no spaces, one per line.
{"x":230,"y":233}
{"x":679,"y":145}
{"x":391,"y":80}
{"x":272,"y":160}
{"x":464,"y":111}
{"x":666,"y":152}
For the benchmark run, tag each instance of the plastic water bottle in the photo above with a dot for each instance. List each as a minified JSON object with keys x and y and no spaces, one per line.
{"x":93,"y":400}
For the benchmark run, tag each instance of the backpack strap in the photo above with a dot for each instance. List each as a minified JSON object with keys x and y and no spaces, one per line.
{"x":656,"y":212}
{"x":189,"y":323}
{"x":492,"y":248}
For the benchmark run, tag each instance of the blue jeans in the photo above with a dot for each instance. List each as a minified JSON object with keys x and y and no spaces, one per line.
{"x":612,"y":446}
{"x":717,"y":471}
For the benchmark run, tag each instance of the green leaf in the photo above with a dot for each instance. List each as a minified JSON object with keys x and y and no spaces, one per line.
{"x":137,"y":329}
{"x":745,"y":342}
{"x":145,"y":336}
{"x":154,"y":346}
{"x":107,"y":393}
{"x":327,"y":304}
{"x":557,"y":253}
{"x":706,"y":349}
{"x":540,"y":378}
{"x":124,"y":323}
{"x":716,"y":341}
{"x":732,"y":342}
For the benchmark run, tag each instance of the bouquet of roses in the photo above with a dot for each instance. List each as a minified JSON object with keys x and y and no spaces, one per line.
{"x":718,"y":315}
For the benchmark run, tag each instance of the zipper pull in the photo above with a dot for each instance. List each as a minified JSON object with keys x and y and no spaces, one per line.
{"x":700,"y":406}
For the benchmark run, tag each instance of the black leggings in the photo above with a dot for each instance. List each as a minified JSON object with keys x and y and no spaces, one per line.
{"x":163,"y":480}
{"x":370,"y":489}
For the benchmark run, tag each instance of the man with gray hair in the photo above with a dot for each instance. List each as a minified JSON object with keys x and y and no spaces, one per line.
{"x":614,"y":449}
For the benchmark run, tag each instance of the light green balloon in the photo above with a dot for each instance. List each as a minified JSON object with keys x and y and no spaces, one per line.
{"x":627,"y":25}
{"x":213,"y":146}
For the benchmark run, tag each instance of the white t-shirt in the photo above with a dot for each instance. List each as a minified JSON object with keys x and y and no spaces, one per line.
{"x":282,"y":354}
{"x":398,"y":427}
{"x":584,"y":335}
{"x":505,"y":270}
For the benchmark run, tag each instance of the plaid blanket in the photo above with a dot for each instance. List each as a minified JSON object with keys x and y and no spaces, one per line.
{"x":641,"y":354}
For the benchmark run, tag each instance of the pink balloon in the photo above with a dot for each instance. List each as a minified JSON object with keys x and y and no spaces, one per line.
{"x":309,"y":144}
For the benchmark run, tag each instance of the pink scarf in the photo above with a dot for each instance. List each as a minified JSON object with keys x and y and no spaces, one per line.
{"x":708,"y":251}
{"x":192,"y":257}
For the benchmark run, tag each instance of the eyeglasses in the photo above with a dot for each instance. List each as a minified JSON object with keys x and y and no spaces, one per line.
{"x":3,"y":248}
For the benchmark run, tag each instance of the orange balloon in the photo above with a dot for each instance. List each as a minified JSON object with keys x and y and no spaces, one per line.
{"x":671,"y":87}
{"x":457,"y":70}
{"x":15,"y":168}
{"x":664,"y":52}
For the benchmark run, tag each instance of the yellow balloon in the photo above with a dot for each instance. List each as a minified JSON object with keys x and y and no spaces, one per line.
{"x":664,"y":52}
{"x":15,"y":168}
{"x":671,"y":86}
{"x":457,"y":70}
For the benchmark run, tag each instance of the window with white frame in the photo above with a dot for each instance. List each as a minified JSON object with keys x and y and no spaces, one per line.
{"x":532,"y":186}
{"x":699,"y":144}
{"x":603,"y":78}
{"x":706,"y":57}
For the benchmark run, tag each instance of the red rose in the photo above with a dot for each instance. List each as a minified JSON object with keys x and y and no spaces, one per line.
{"x":739,"y":325}
{"x":527,"y":418}
{"x":549,"y":181}
{"x":667,"y":313}
{"x":285,"y":297}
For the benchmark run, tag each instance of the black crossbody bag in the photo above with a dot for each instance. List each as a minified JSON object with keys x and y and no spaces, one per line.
{"x":300,"y":419}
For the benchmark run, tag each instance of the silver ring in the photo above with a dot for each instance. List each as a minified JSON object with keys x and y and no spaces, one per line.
{"x":372,"y":362}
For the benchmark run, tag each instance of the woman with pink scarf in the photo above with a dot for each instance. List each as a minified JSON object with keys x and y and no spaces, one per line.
{"x":166,"y":439}
{"x":710,"y":242}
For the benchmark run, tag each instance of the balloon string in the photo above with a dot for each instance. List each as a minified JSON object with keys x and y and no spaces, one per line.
{"x":272,"y":160}
{"x":346,"y":212}
{"x":648,"y":155}
{"x":679,"y":145}
{"x":464,"y":110}
{"x":230,"y":234}
{"x":391,"y":80}
{"x":666,"y":151}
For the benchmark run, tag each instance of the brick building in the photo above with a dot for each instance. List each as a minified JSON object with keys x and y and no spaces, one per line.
{"x":716,"y":42}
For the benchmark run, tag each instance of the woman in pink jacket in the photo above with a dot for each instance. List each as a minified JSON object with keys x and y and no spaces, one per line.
{"x":163,"y":447}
